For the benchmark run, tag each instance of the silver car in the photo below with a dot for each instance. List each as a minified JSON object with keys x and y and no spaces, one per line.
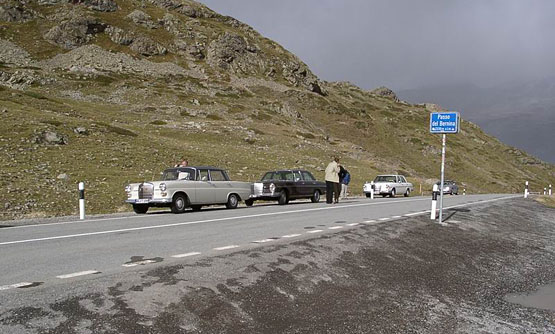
{"x":389,"y":185}
{"x":188,"y":187}
{"x":449,"y":187}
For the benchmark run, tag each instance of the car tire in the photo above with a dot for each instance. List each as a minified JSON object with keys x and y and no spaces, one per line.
{"x":407,"y":193}
{"x":392,"y":194}
{"x":232,"y":201}
{"x":196,"y":207}
{"x":315,"y":197}
{"x":140,"y":208}
{"x":283,"y":198}
{"x":383,"y":195}
{"x":368,"y":195}
{"x":180,"y":203}
{"x":249,"y":202}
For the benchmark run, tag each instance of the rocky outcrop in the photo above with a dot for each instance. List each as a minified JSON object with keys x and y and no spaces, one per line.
{"x":385,"y":92}
{"x":141,"y":18}
{"x":14,"y":11}
{"x":50,"y":138}
{"x":74,"y":32}
{"x":120,"y":36}
{"x":100,"y":5}
{"x":232,"y":52}
{"x":13,"y":54}
{"x":17,"y":80}
{"x":299,"y":75}
{"x":147,"y":47}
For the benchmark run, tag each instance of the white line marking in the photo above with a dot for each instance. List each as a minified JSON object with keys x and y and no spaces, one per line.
{"x":14,"y":286}
{"x":186,"y":254}
{"x":291,"y":236}
{"x":414,"y":214}
{"x":223,"y":219}
{"x":369,"y":221}
{"x":138,"y":263}
{"x":314,"y":231}
{"x":395,"y":217}
{"x":81,"y":273}
{"x":352,"y":224}
{"x":263,"y":241}
{"x":384,"y":219}
{"x":226,"y":247}
{"x":335,"y":227}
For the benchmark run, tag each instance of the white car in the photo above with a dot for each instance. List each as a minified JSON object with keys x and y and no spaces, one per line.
{"x":388,"y":185}
{"x":188,"y":187}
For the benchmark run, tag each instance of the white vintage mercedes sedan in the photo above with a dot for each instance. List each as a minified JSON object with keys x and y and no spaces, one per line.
{"x":188,"y":187}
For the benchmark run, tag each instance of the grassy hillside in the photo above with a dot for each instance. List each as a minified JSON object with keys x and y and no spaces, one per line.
{"x":243,"y":103}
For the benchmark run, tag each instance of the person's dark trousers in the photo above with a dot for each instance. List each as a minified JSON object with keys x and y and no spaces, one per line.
{"x":329,"y":191}
{"x":336,"y":191}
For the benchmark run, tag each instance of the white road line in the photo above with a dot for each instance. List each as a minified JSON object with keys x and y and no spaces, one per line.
{"x":225,"y":219}
{"x":14,"y":286}
{"x":263,"y":241}
{"x":138,"y":263}
{"x":186,"y":254}
{"x":291,"y":236}
{"x":81,"y":273}
{"x":314,"y":231}
{"x":384,"y":219}
{"x":226,"y":247}
{"x":352,"y":224}
{"x":395,"y":217}
{"x":414,"y":214}
{"x":369,"y":221}
{"x":335,"y":227}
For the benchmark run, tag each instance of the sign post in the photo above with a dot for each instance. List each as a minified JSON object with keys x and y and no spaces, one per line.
{"x":444,"y":123}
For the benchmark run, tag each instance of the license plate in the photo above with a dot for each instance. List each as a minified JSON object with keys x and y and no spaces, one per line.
{"x":142,"y":200}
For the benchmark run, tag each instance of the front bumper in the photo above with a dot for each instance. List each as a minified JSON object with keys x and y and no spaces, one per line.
{"x":149,"y":201}
{"x":264,"y":196}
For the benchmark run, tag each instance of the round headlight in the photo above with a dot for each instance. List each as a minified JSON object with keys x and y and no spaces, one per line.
{"x":272,"y":187}
{"x":162,"y":186}
{"x":128,"y":188}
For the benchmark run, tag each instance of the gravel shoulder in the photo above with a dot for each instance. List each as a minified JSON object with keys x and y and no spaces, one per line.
{"x":403,"y":276}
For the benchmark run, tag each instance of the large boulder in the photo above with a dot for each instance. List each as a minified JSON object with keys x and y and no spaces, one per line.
{"x":298,"y":74}
{"x":232,"y":52}
{"x":14,"y":11}
{"x":385,"y":92}
{"x":142,"y":18}
{"x":100,"y":5}
{"x":120,"y":36}
{"x":147,"y":47}
{"x":74,"y":32}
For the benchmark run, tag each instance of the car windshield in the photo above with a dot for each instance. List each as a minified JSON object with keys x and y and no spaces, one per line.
{"x":385,"y":178}
{"x":445,"y":183}
{"x":178,"y":174}
{"x":267,"y":176}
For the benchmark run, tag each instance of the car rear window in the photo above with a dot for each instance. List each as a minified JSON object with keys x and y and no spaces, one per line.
{"x":385,"y":178}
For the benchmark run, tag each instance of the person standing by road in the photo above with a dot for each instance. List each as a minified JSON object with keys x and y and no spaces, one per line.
{"x":332,"y":181}
{"x":344,"y":179}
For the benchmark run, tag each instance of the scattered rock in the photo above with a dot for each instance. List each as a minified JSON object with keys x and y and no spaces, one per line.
{"x":51,"y":137}
{"x":6,"y":205}
{"x":385,"y":92}
{"x":120,"y":36}
{"x":4,"y":110}
{"x":14,"y":11}
{"x":63,"y":176}
{"x":74,"y":32}
{"x":50,"y":2}
{"x":147,"y":47}
{"x":81,"y":131}
{"x":10,"y":53}
{"x":141,"y":18}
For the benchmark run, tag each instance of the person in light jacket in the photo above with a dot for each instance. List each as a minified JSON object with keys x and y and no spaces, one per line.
{"x":332,"y":181}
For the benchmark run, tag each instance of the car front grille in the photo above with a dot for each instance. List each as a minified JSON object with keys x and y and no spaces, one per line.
{"x":146,"y":191}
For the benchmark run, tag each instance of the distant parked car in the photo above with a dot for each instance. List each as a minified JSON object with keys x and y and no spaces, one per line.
{"x":188,"y":187}
{"x":285,"y":185}
{"x":389,"y":185}
{"x":449,"y":187}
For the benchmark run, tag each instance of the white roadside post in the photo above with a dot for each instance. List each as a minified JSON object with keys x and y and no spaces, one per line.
{"x":464,"y":192}
{"x":526,"y":190}
{"x":81,"y":200}
{"x":434,"y":203}
{"x":549,"y":190}
{"x":372,"y":186}
{"x":544,"y":191}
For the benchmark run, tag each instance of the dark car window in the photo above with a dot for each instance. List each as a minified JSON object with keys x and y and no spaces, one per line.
{"x":403,"y":179}
{"x":307,"y":176}
{"x":178,"y":174}
{"x":297,"y":176}
{"x":268,"y":176}
{"x":218,"y":175}
{"x":289,"y":176}
{"x":203,"y":175}
{"x":385,"y":178}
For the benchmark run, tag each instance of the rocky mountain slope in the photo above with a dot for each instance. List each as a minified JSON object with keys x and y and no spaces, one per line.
{"x":109,"y":92}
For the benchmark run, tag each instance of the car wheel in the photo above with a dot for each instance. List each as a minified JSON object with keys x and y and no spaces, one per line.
{"x":383,"y":195}
{"x":315,"y":197}
{"x":232,"y":201}
{"x":249,"y":202}
{"x":392,"y":193}
{"x":196,"y":207}
{"x":368,"y":195}
{"x":179,"y":203}
{"x":407,"y":193}
{"x":283,"y":198}
{"x":140,"y":208}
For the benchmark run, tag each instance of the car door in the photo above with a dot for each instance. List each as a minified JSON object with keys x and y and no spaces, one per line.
{"x":205,"y":188}
{"x":298,"y":184}
{"x":222,"y":185}
{"x":404,"y":183}
{"x":309,"y":183}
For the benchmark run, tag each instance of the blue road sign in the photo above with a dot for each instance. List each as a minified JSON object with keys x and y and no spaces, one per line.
{"x":444,"y":122}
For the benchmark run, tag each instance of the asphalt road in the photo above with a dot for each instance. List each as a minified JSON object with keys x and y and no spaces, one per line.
{"x":57,"y":253}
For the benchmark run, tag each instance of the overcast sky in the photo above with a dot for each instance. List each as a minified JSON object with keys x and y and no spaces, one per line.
{"x":409,"y":43}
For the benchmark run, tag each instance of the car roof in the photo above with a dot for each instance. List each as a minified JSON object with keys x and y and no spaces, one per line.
{"x":286,"y":170}
{"x":195,"y":167}
{"x":388,"y":175}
